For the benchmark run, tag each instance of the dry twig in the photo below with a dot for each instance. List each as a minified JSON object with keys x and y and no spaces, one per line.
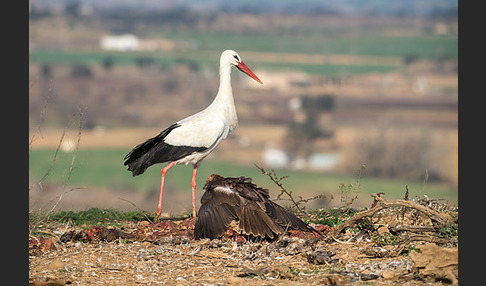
{"x":71,"y":166}
{"x":296,"y":203}
{"x":383,"y":204}
{"x":277,"y":182}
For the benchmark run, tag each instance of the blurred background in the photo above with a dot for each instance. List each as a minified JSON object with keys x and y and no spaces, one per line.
{"x":359,"y":97}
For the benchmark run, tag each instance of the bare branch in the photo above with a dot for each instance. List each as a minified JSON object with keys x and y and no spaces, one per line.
{"x":41,"y":116}
{"x":383,"y":204}
{"x":71,"y":167}
{"x":277,"y":182}
{"x":48,"y":172}
{"x":135,"y":206}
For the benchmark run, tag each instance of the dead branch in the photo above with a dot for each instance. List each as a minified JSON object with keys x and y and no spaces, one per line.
{"x":71,"y":167}
{"x":276,"y":180}
{"x":428,"y":238}
{"x":383,"y":204}
{"x":42,"y":114}
{"x":135,"y":206}
{"x":413,"y":228}
{"x":53,"y":162}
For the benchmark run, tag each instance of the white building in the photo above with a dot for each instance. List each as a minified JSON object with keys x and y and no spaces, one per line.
{"x":121,"y":43}
{"x":274,"y":157}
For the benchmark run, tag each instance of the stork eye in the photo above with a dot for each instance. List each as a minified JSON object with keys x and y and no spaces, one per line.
{"x":236,"y":57}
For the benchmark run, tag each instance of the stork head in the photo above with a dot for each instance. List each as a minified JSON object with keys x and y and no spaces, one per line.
{"x":232,"y":58}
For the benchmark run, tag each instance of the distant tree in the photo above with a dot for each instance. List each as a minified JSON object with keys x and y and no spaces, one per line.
{"x":46,"y":70}
{"x":301,"y":135}
{"x":191,"y":64}
{"x":318,"y":104}
{"x":144,"y":62}
{"x":81,"y":70}
{"x":410,"y":58}
{"x":107,"y":63}
{"x":405,"y":155}
{"x":72,"y":8}
{"x":39,"y":13}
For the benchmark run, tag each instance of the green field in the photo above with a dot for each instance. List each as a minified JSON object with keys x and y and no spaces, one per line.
{"x":104,"y":168}
{"x":366,"y":44}
{"x":209,"y":47}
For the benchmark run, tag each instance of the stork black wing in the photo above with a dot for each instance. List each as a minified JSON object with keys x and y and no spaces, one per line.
{"x":155,"y":150}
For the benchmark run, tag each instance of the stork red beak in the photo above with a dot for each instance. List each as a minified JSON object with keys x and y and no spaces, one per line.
{"x":242,"y":67}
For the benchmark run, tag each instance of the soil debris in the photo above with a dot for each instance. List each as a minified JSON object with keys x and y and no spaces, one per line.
{"x":435,"y":263}
{"x":39,"y":245}
{"x":396,"y":245}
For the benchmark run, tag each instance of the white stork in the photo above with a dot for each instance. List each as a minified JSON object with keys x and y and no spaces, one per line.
{"x":191,"y":139}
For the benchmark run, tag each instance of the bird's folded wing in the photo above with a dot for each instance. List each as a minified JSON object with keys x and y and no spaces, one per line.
{"x":197,"y":133}
{"x":150,"y":143}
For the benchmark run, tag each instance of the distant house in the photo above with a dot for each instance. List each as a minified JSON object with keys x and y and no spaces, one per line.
{"x":121,"y":43}
{"x":324,"y":161}
{"x":274,"y":157}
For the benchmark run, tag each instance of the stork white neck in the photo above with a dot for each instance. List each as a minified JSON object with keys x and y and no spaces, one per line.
{"x":224,"y":104}
{"x":225,"y":89}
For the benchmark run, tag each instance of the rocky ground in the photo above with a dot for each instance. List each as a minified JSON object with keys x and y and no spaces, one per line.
{"x":392,"y":243}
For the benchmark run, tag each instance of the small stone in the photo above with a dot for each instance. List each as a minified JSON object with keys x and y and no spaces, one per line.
{"x":144,"y":223}
{"x":320,"y":257}
{"x":165,"y":215}
{"x":383,"y":229}
{"x":235,"y":280}
{"x":55,"y":264}
{"x":387,"y":274}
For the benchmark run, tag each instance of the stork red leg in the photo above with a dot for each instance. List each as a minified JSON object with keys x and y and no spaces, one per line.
{"x":193,"y":189}
{"x":162,"y":176}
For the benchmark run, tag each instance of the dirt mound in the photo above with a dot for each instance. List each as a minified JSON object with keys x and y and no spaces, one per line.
{"x":394,"y":242}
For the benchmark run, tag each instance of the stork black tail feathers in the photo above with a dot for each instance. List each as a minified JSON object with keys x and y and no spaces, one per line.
{"x":138,"y":160}
{"x":143,"y":155}
{"x":136,"y":167}
{"x":156,"y":150}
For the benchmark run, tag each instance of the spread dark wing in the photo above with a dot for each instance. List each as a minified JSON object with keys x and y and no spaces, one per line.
{"x":253,"y":217}
{"x":255,"y":221}
{"x":260,"y":215}
{"x":217,"y":210}
{"x":286,"y":219}
{"x":228,"y":199}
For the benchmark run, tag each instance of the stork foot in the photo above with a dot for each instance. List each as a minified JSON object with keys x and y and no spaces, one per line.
{"x":157,"y":216}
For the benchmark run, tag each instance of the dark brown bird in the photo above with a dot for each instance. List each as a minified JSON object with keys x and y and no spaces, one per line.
{"x":228,"y":199}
